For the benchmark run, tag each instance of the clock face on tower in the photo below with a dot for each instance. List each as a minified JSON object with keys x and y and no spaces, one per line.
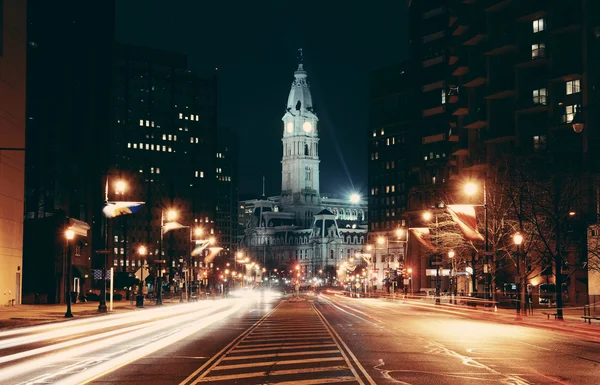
{"x":290,"y":127}
{"x":307,"y":127}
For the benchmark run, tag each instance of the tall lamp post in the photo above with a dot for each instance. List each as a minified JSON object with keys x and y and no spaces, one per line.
{"x":518,"y":240}
{"x":428,"y":216}
{"x":471,"y":189}
{"x":453,"y":283}
{"x":139,"y":301}
{"x":69,"y":235}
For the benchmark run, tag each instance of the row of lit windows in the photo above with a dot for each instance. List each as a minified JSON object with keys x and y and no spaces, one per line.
{"x":194,"y":140}
{"x":169,"y":137}
{"x":224,"y":178}
{"x":391,"y":141}
{"x":382,"y":131}
{"x":220,"y":156}
{"x":431,"y":156}
{"x":191,"y":117}
{"x":199,"y":174}
{"x":147,"y":122}
{"x":147,"y":146}
{"x":388,"y":189}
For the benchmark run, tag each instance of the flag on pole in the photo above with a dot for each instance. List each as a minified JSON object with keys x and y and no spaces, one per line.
{"x":423,"y":235}
{"x":465,"y":219}
{"x":199,"y":248}
{"x":116,"y":209}
{"x":172,"y":226}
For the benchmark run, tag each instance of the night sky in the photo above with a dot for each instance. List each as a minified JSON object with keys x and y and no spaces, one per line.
{"x":254,"y":46}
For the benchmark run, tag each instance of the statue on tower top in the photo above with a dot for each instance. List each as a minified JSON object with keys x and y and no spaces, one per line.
{"x":300,"y":55}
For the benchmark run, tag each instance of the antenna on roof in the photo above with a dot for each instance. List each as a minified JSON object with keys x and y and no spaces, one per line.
{"x":263,"y":194}
{"x":300,"y":55}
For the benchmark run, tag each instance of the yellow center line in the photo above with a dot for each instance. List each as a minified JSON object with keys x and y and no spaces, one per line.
{"x":285,"y":354}
{"x":277,"y":363}
{"x":273,"y":373}
{"x":281,"y":347}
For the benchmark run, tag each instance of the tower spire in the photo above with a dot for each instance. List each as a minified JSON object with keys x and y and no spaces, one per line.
{"x":263,"y":194}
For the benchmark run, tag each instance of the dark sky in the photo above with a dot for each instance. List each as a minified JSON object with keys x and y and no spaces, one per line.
{"x":254,"y":45}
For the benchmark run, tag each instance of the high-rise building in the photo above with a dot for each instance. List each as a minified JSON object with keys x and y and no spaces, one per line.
{"x":393,"y":144}
{"x":163,"y":147}
{"x":226,"y":215}
{"x":12,"y":143}
{"x":501,"y":79}
{"x":67,"y":118}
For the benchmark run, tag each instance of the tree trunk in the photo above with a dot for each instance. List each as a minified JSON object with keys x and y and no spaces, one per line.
{"x":557,"y":255}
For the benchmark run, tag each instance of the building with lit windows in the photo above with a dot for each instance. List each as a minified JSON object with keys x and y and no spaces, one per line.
{"x":302,"y":227}
{"x":163,"y":145}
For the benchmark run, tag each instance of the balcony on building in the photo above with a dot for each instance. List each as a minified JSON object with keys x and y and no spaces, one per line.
{"x":477,"y":74}
{"x":501,"y":80}
{"x":534,"y":53}
{"x":460,"y":103}
{"x":530,"y":10}
{"x":495,"y":5}
{"x":566,"y":17}
{"x":477,"y":118}
{"x":501,"y":41}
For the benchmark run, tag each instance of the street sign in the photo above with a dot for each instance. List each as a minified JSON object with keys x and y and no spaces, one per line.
{"x":160,"y":261}
{"x":102,"y":251}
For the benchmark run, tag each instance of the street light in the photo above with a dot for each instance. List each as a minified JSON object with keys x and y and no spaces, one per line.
{"x":471,"y":189}
{"x":518,"y":240}
{"x":139,"y":302}
{"x":120,"y":187}
{"x":171,"y":215}
{"x":428,"y":216}
{"x":69,"y":235}
{"x":198,"y":231}
{"x":354,"y":198}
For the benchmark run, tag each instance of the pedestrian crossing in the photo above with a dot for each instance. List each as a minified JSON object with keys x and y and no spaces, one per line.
{"x":292,"y":345}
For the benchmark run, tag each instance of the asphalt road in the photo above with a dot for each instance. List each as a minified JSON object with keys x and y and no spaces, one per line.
{"x":314,"y":340}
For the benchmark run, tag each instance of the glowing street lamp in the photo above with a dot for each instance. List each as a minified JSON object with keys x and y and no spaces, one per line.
{"x":198,"y":231}
{"x":427,"y":215}
{"x":139,"y":301}
{"x":120,"y":187}
{"x":470,"y":188}
{"x":171,"y":215}
{"x":69,"y":235}
{"x":518,"y":240}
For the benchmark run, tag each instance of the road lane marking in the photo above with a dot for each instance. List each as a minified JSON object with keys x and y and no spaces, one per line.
{"x":317,"y":381}
{"x":277,"y":363}
{"x":274,"y":373}
{"x":339,"y":340}
{"x":282,"y":348}
{"x":293,"y":344}
{"x":286,"y":354}
{"x":237,"y":339}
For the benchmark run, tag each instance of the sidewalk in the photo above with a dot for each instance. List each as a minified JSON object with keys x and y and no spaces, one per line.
{"x":29,"y":315}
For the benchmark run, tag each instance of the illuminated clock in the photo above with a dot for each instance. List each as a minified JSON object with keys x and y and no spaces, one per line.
{"x":307,"y":127}
{"x":290,"y":127}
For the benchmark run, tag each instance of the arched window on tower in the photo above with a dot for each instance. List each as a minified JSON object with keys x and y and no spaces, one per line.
{"x":308,"y":173}
{"x":306,"y":151}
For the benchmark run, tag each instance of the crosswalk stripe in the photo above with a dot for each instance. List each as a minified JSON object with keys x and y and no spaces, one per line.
{"x":277,"y":363}
{"x":273,"y":373}
{"x":285,"y":343}
{"x":286,"y":338}
{"x":285,"y":354}
{"x":316,"y":381}
{"x":282,"y":347}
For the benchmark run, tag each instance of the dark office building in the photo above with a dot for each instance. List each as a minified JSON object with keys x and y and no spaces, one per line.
{"x":392,"y":117}
{"x":163,"y":147}
{"x":69,"y":47}
{"x":227,"y":193}
{"x":502,"y":78}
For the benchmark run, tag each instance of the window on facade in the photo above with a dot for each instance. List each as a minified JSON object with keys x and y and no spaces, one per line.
{"x":180,"y":115}
{"x":538,"y":25}
{"x":539,"y":96}
{"x":393,"y":188}
{"x":539,"y":142}
{"x":141,"y":122}
{"x":568,"y":114}
{"x":443,"y":96}
{"x":382,"y":131}
{"x":374,"y":133}
{"x":387,"y":142}
{"x":573,"y":86}
{"x":538,"y":50}
{"x":158,"y":170}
